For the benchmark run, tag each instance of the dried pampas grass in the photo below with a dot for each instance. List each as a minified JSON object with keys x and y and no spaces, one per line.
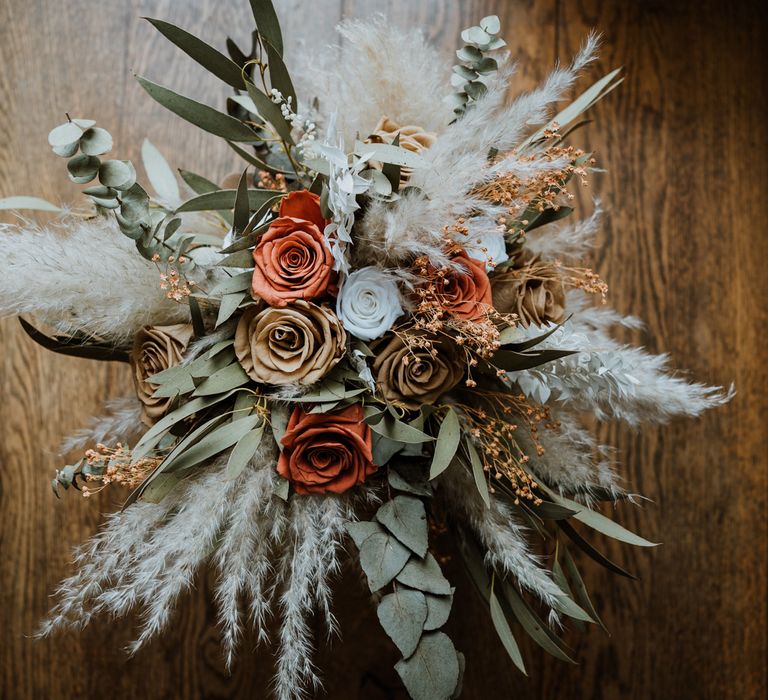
{"x":82,"y":275}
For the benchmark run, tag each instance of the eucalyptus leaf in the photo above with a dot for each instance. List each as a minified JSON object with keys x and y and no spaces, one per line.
{"x":267,"y":23}
{"x":502,"y":628}
{"x":406,"y":518}
{"x":29,"y":203}
{"x":253,"y":159}
{"x":96,"y":142}
{"x":209,"y":58}
{"x":160,"y":174}
{"x":66,"y":151}
{"x":205,"y":117}
{"x":240,"y":282}
{"x":241,"y":206}
{"x":395,"y":429}
{"x":197,"y":183}
{"x":243,"y":451}
{"x":580,"y":589}
{"x":218,"y":440}
{"x":225,"y":199}
{"x":119,"y":174}
{"x":153,"y":435}
{"x":400,"y":480}
{"x":448,"y":439}
{"x":229,"y":304}
{"x":161,"y":487}
{"x":382,"y":558}
{"x":388,"y":153}
{"x":226,"y":379}
{"x":478,"y":472}
{"x":83,"y":168}
{"x":438,"y":610}
{"x":534,"y":626}
{"x":424,"y":575}
{"x":590,"y":550}
{"x":65,"y":135}
{"x":269,"y":112}
{"x":491,"y":24}
{"x":361,"y":531}
{"x":383,"y":448}
{"x":279,"y":419}
{"x":279,"y":77}
{"x":402,"y":615}
{"x":432,"y":672}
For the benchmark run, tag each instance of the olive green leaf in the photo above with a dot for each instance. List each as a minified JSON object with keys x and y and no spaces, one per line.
{"x":502,"y":628}
{"x":205,"y":117}
{"x":241,"y":206}
{"x":218,"y":440}
{"x":279,"y":77}
{"x":226,"y":379}
{"x":269,"y":112}
{"x":402,"y":615}
{"x":209,"y":58}
{"x":533,"y":625}
{"x":244,"y":450}
{"x":229,"y":304}
{"x":448,"y":439}
{"x":267,"y":23}
{"x":225,"y":199}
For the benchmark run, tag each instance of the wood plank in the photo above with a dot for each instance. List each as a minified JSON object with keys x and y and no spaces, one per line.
{"x":684,"y":146}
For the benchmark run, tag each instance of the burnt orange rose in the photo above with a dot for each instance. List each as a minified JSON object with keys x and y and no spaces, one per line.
{"x":291,"y":259}
{"x":465,"y":293}
{"x":326,"y":451}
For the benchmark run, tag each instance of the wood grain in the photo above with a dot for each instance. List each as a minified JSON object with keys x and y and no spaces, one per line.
{"x":683,"y":143}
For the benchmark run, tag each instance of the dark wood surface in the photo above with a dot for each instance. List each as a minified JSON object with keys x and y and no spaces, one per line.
{"x":685,"y":247}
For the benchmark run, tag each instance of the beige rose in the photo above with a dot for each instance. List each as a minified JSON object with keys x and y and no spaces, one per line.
{"x":535,"y":298}
{"x":415,"y":376}
{"x":295,"y":344}
{"x":156,"y":348}
{"x":412,"y":138}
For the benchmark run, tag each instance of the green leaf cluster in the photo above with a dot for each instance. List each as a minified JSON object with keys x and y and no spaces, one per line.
{"x":479,"y":41}
{"x":393,"y":550}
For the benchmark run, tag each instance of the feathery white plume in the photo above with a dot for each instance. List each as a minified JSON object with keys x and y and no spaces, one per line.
{"x":82,"y":275}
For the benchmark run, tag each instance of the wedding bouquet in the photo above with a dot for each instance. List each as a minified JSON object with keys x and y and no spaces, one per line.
{"x":381,"y":330}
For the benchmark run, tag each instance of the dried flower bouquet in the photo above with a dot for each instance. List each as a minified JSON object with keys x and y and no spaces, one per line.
{"x":379,"y":330}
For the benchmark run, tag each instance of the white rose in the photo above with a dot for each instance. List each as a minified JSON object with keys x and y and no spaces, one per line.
{"x":485,"y":246}
{"x":369,"y":303}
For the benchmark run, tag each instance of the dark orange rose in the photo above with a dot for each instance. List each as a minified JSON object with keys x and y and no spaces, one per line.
{"x":292,"y":260}
{"x":465,"y":293}
{"x":326,"y":451}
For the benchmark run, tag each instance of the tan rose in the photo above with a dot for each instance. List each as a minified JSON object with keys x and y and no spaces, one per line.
{"x":295,"y":344}
{"x":415,"y":376}
{"x":412,"y":138}
{"x":156,"y":348}
{"x":536,"y":295}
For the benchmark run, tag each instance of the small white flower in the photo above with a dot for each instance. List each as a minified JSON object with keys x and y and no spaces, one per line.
{"x":485,"y":246}
{"x":369,"y":303}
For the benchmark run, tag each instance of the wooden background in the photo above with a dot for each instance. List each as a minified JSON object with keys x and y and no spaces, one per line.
{"x":685,"y":247}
